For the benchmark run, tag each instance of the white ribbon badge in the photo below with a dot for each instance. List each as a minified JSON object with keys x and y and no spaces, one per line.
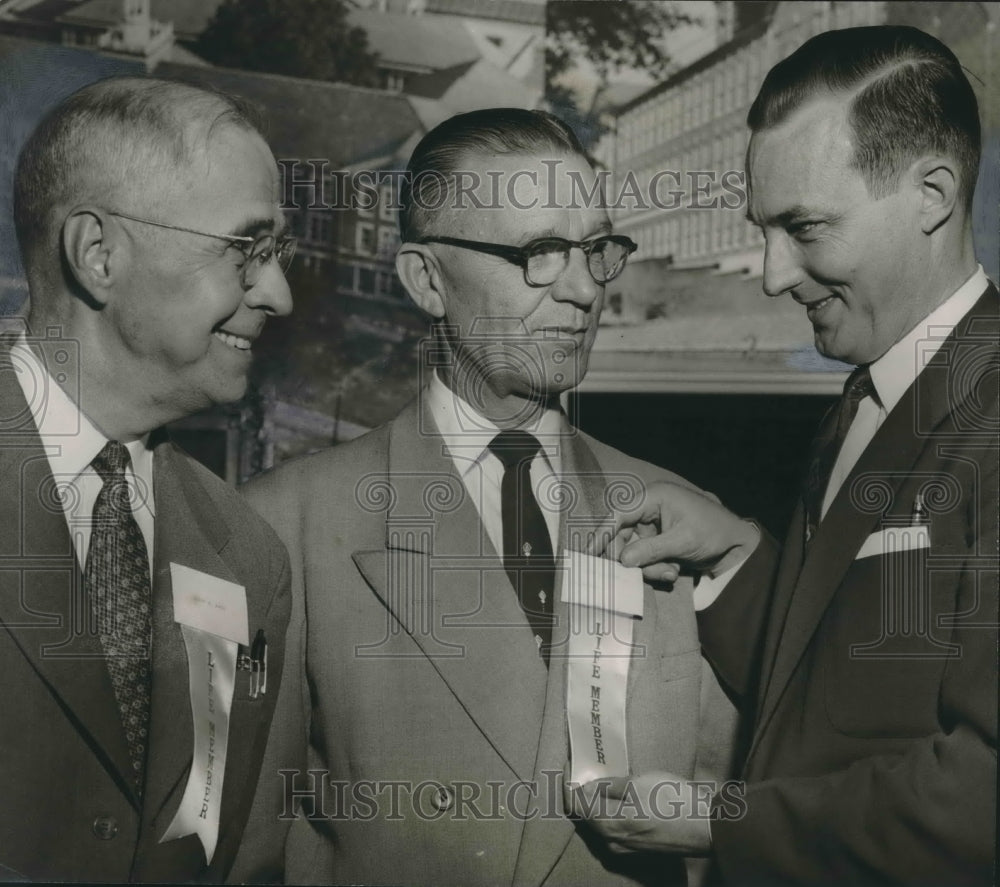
{"x":213,"y":617}
{"x":604,"y":598}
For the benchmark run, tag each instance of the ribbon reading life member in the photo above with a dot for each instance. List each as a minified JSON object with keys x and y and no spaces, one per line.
{"x":212,"y":614}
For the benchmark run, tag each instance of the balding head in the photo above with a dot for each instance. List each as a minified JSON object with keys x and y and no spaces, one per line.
{"x":117,"y":141}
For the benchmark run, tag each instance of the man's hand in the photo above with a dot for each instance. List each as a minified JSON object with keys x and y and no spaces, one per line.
{"x":675,"y":525}
{"x":656,"y":811}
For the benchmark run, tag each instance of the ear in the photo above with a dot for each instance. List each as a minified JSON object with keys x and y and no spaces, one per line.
{"x":88,"y":250}
{"x":418,"y":269}
{"x":938,"y":183}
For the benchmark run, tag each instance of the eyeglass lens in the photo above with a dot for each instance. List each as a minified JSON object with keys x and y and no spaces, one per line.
{"x":605,"y":261}
{"x":265,"y":248}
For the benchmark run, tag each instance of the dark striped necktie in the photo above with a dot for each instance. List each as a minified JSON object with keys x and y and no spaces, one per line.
{"x":527,"y":547}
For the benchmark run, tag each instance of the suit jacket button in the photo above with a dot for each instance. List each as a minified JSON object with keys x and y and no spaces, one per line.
{"x":443,"y":799}
{"x":105,"y":827}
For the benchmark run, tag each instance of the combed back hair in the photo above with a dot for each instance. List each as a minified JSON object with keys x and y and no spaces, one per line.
{"x":107,"y":143}
{"x":910,"y":98}
{"x":431,"y":173}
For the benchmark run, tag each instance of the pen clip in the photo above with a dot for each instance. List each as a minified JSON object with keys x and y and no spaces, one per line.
{"x":258,"y":665}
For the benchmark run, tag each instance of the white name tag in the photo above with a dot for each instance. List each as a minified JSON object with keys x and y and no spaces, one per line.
{"x":604,"y":598}
{"x":892,"y":540}
{"x":213,"y":617}
{"x":211,"y":604}
{"x":601,"y":584}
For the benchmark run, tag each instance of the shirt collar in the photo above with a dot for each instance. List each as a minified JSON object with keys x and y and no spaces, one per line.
{"x":467,"y":433}
{"x":896,"y":370}
{"x":70,"y":439}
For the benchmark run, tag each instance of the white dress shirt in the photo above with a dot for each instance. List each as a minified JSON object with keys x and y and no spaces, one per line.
{"x":466,"y":437}
{"x":895,"y":371}
{"x":71,"y":443}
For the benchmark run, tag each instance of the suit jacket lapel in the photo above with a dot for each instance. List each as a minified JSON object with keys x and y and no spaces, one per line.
{"x":544,"y":839}
{"x":43,"y":605}
{"x":938,"y":391}
{"x":189,"y":531}
{"x":441,"y":578}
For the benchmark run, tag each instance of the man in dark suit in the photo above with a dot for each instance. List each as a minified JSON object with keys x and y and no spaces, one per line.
{"x":431,"y":640}
{"x":132,"y":578}
{"x":866,"y":651}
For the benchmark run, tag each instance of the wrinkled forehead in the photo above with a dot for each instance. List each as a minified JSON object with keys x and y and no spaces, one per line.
{"x":543,"y":192}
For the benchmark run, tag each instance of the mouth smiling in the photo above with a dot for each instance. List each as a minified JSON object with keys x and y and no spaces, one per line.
{"x":816,"y":308}
{"x":239,"y":343}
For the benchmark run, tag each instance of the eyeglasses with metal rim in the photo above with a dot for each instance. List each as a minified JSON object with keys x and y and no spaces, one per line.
{"x":257,"y":251}
{"x":543,"y":260}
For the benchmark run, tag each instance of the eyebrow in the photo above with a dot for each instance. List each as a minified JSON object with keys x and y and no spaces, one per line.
{"x":604,"y":227}
{"x":532,"y":236}
{"x":253,"y":227}
{"x":789,"y":216}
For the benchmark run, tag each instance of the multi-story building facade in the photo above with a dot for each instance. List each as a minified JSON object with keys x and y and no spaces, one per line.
{"x":694,"y":125}
{"x":688,"y":313}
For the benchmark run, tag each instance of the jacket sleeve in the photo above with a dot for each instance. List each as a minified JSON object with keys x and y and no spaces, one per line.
{"x":732,"y":627}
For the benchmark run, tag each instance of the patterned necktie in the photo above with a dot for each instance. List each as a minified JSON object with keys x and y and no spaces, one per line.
{"x":116,"y":578}
{"x":527,"y":548}
{"x":828,"y":443}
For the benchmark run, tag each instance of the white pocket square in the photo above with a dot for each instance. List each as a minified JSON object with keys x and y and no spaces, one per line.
{"x":893,"y":540}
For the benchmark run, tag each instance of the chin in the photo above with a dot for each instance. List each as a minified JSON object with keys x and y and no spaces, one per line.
{"x":830,"y":348}
{"x":229,"y":394}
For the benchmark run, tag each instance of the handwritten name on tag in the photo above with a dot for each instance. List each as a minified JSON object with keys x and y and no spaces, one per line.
{"x":601,"y":584}
{"x":211,"y":604}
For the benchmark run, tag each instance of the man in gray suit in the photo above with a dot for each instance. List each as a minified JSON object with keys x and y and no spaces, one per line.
{"x":431,"y":641}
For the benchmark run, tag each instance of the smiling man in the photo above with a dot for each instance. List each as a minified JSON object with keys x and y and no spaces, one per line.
{"x":147,"y":215}
{"x":431,"y":706}
{"x":866,"y":652}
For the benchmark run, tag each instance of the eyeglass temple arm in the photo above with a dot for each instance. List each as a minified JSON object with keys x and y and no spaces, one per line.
{"x":231,"y":238}
{"x":513,"y":254}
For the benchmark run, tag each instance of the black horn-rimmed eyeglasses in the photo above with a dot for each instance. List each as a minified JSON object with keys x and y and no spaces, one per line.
{"x":543,"y":260}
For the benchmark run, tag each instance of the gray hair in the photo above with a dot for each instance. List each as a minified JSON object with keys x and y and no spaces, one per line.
{"x":110,"y":138}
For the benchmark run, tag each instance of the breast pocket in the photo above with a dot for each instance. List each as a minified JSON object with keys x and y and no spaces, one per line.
{"x":676,"y":666}
{"x":882,"y":651}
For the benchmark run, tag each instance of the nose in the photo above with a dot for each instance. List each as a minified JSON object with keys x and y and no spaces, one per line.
{"x":782,"y":271}
{"x":576,"y":284}
{"x":271,"y":292}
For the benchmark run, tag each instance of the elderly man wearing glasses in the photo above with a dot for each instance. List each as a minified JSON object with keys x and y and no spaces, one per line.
{"x":434,"y":663}
{"x":133,"y":582}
